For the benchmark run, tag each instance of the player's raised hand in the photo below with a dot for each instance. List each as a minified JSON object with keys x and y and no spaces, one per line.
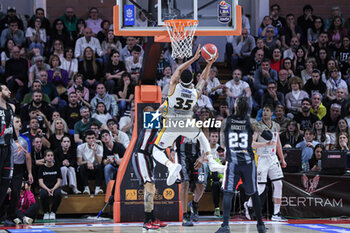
{"x":198,"y":53}
{"x":211,"y":61}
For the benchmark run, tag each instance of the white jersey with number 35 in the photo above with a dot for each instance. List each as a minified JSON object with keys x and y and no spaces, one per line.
{"x":181,"y":102}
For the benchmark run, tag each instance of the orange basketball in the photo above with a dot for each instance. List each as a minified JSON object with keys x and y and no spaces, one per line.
{"x":209,"y":51}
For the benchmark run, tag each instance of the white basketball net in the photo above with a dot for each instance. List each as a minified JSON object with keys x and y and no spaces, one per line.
{"x":181,"y":34}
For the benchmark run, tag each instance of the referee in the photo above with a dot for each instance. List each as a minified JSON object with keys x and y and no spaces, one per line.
{"x":238,"y":138}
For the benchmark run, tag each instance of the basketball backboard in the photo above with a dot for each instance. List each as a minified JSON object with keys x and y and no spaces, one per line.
{"x":215,"y":17}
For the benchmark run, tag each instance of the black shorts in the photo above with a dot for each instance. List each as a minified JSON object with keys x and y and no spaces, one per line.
{"x":235,"y":171}
{"x":188,"y":173}
{"x":143,"y":165}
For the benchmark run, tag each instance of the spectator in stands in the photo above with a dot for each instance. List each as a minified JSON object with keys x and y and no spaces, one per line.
{"x":315,"y":84}
{"x":36,"y":36}
{"x":264,"y":26}
{"x":125,"y":93}
{"x":27,"y":208}
{"x":101,"y":113}
{"x":291,"y":51}
{"x":314,"y":31}
{"x":277,"y":60}
{"x":57,"y":49}
{"x":347,"y":113}
{"x":94,"y":22}
{"x":13,"y":33}
{"x":291,"y":137}
{"x":113,"y":153}
{"x":78,"y":80}
{"x":28,"y":97}
{"x":270,"y":40}
{"x":335,"y":11}
{"x":89,"y":158}
{"x":322,"y":43}
{"x":342,"y":126}
{"x":87,"y":41}
{"x":6,"y":54}
{"x":300,"y":60}
{"x":91,"y":70}
{"x":305,"y":118}
{"x":310,"y":65}
{"x":114,"y":69}
{"x":331,"y":121}
{"x":344,"y":51}
{"x":288,"y":65}
{"x":10,"y":16}
{"x":320,"y":134}
{"x":289,"y":31}
{"x":133,"y":63}
{"x":59,"y":130}
{"x":56,"y":75}
{"x":37,"y":104}
{"x":66,"y":159}
{"x":119,"y":135}
{"x":236,"y":88}
{"x":322,"y":60}
{"x":334,"y":83}
{"x":107,"y":99}
{"x":126,"y":51}
{"x":103,"y":33}
{"x":315,"y":161}
{"x":307,"y":147}
{"x":50,"y":90}
{"x":224,"y":110}
{"x":261,"y":78}
{"x":306,"y":20}
{"x":283,"y":83}
{"x":81,"y":126}
{"x":253,"y":64}
{"x":342,"y":142}
{"x":16,"y":74}
{"x":336,"y":33}
{"x":45,"y":22}
{"x":204,"y":101}
{"x":34,"y":70}
{"x":71,"y":113}
{"x":294,"y":98}
{"x":126,"y":122}
{"x":281,"y":119}
{"x":50,"y":179}
{"x":109,"y":44}
{"x":277,"y":20}
{"x":70,"y":20}
{"x":70,"y":64}
{"x":81,"y":99}
{"x":35,"y":130}
{"x":318,"y":108}
{"x":81,"y":25}
{"x":272,"y":96}
{"x":340,"y":98}
{"x":165,"y":81}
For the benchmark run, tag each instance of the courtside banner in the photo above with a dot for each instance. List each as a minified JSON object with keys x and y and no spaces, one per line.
{"x":311,"y":195}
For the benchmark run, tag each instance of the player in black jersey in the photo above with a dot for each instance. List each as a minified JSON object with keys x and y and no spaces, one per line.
{"x":143,"y":165}
{"x":238,"y":137}
{"x":7,"y":133}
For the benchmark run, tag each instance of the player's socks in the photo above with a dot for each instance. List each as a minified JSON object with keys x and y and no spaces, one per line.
{"x":226,"y":207}
{"x":257,"y":207}
{"x":276,"y":208}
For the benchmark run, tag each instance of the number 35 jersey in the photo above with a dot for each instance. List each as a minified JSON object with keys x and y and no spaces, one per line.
{"x":181,"y":102}
{"x":238,"y":139}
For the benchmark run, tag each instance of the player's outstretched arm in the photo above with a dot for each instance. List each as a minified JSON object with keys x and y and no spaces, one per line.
{"x":176,"y":75}
{"x":205,"y":74}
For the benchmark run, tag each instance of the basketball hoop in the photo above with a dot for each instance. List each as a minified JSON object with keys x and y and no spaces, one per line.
{"x":181,"y":32}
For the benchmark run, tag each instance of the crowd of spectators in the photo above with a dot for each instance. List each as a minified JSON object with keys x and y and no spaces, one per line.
{"x":73,"y":82}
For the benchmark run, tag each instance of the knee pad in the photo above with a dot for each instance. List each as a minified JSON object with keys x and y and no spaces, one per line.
{"x":261,"y":188}
{"x":277,"y":189}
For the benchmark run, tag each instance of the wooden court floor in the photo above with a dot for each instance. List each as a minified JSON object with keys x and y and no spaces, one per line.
{"x":292,"y":226}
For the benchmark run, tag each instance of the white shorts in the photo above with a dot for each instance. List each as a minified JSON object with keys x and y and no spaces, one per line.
{"x":268,"y":166}
{"x":167,"y":136}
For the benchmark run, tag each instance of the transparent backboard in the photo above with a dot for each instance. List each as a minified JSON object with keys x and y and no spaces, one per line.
{"x":146,"y":17}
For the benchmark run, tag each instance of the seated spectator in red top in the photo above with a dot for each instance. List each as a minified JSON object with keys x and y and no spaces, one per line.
{"x":27,"y":208}
{"x":277,"y":60}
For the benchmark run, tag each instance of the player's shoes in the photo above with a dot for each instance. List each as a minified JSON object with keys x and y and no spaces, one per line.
{"x":215,"y":166}
{"x":246,"y":208}
{"x":278,"y":218}
{"x":27,"y":220}
{"x":159,"y":223}
{"x":223,"y":229}
{"x":261,"y":228}
{"x":17,"y":221}
{"x":217,"y":212}
{"x":186,"y":220}
{"x":150,"y":227}
{"x":194,"y":211}
{"x":174,"y":170}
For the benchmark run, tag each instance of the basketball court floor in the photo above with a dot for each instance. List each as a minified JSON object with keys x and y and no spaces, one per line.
{"x":203,"y":226}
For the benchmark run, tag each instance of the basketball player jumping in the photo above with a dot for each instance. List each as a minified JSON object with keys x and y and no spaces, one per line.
{"x":239,"y":139}
{"x":182,"y":96}
{"x":268,"y":164}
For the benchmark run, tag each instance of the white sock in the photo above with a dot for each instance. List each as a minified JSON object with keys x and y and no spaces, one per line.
{"x":86,"y":187}
{"x":250,"y":203}
{"x":276,"y":208}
